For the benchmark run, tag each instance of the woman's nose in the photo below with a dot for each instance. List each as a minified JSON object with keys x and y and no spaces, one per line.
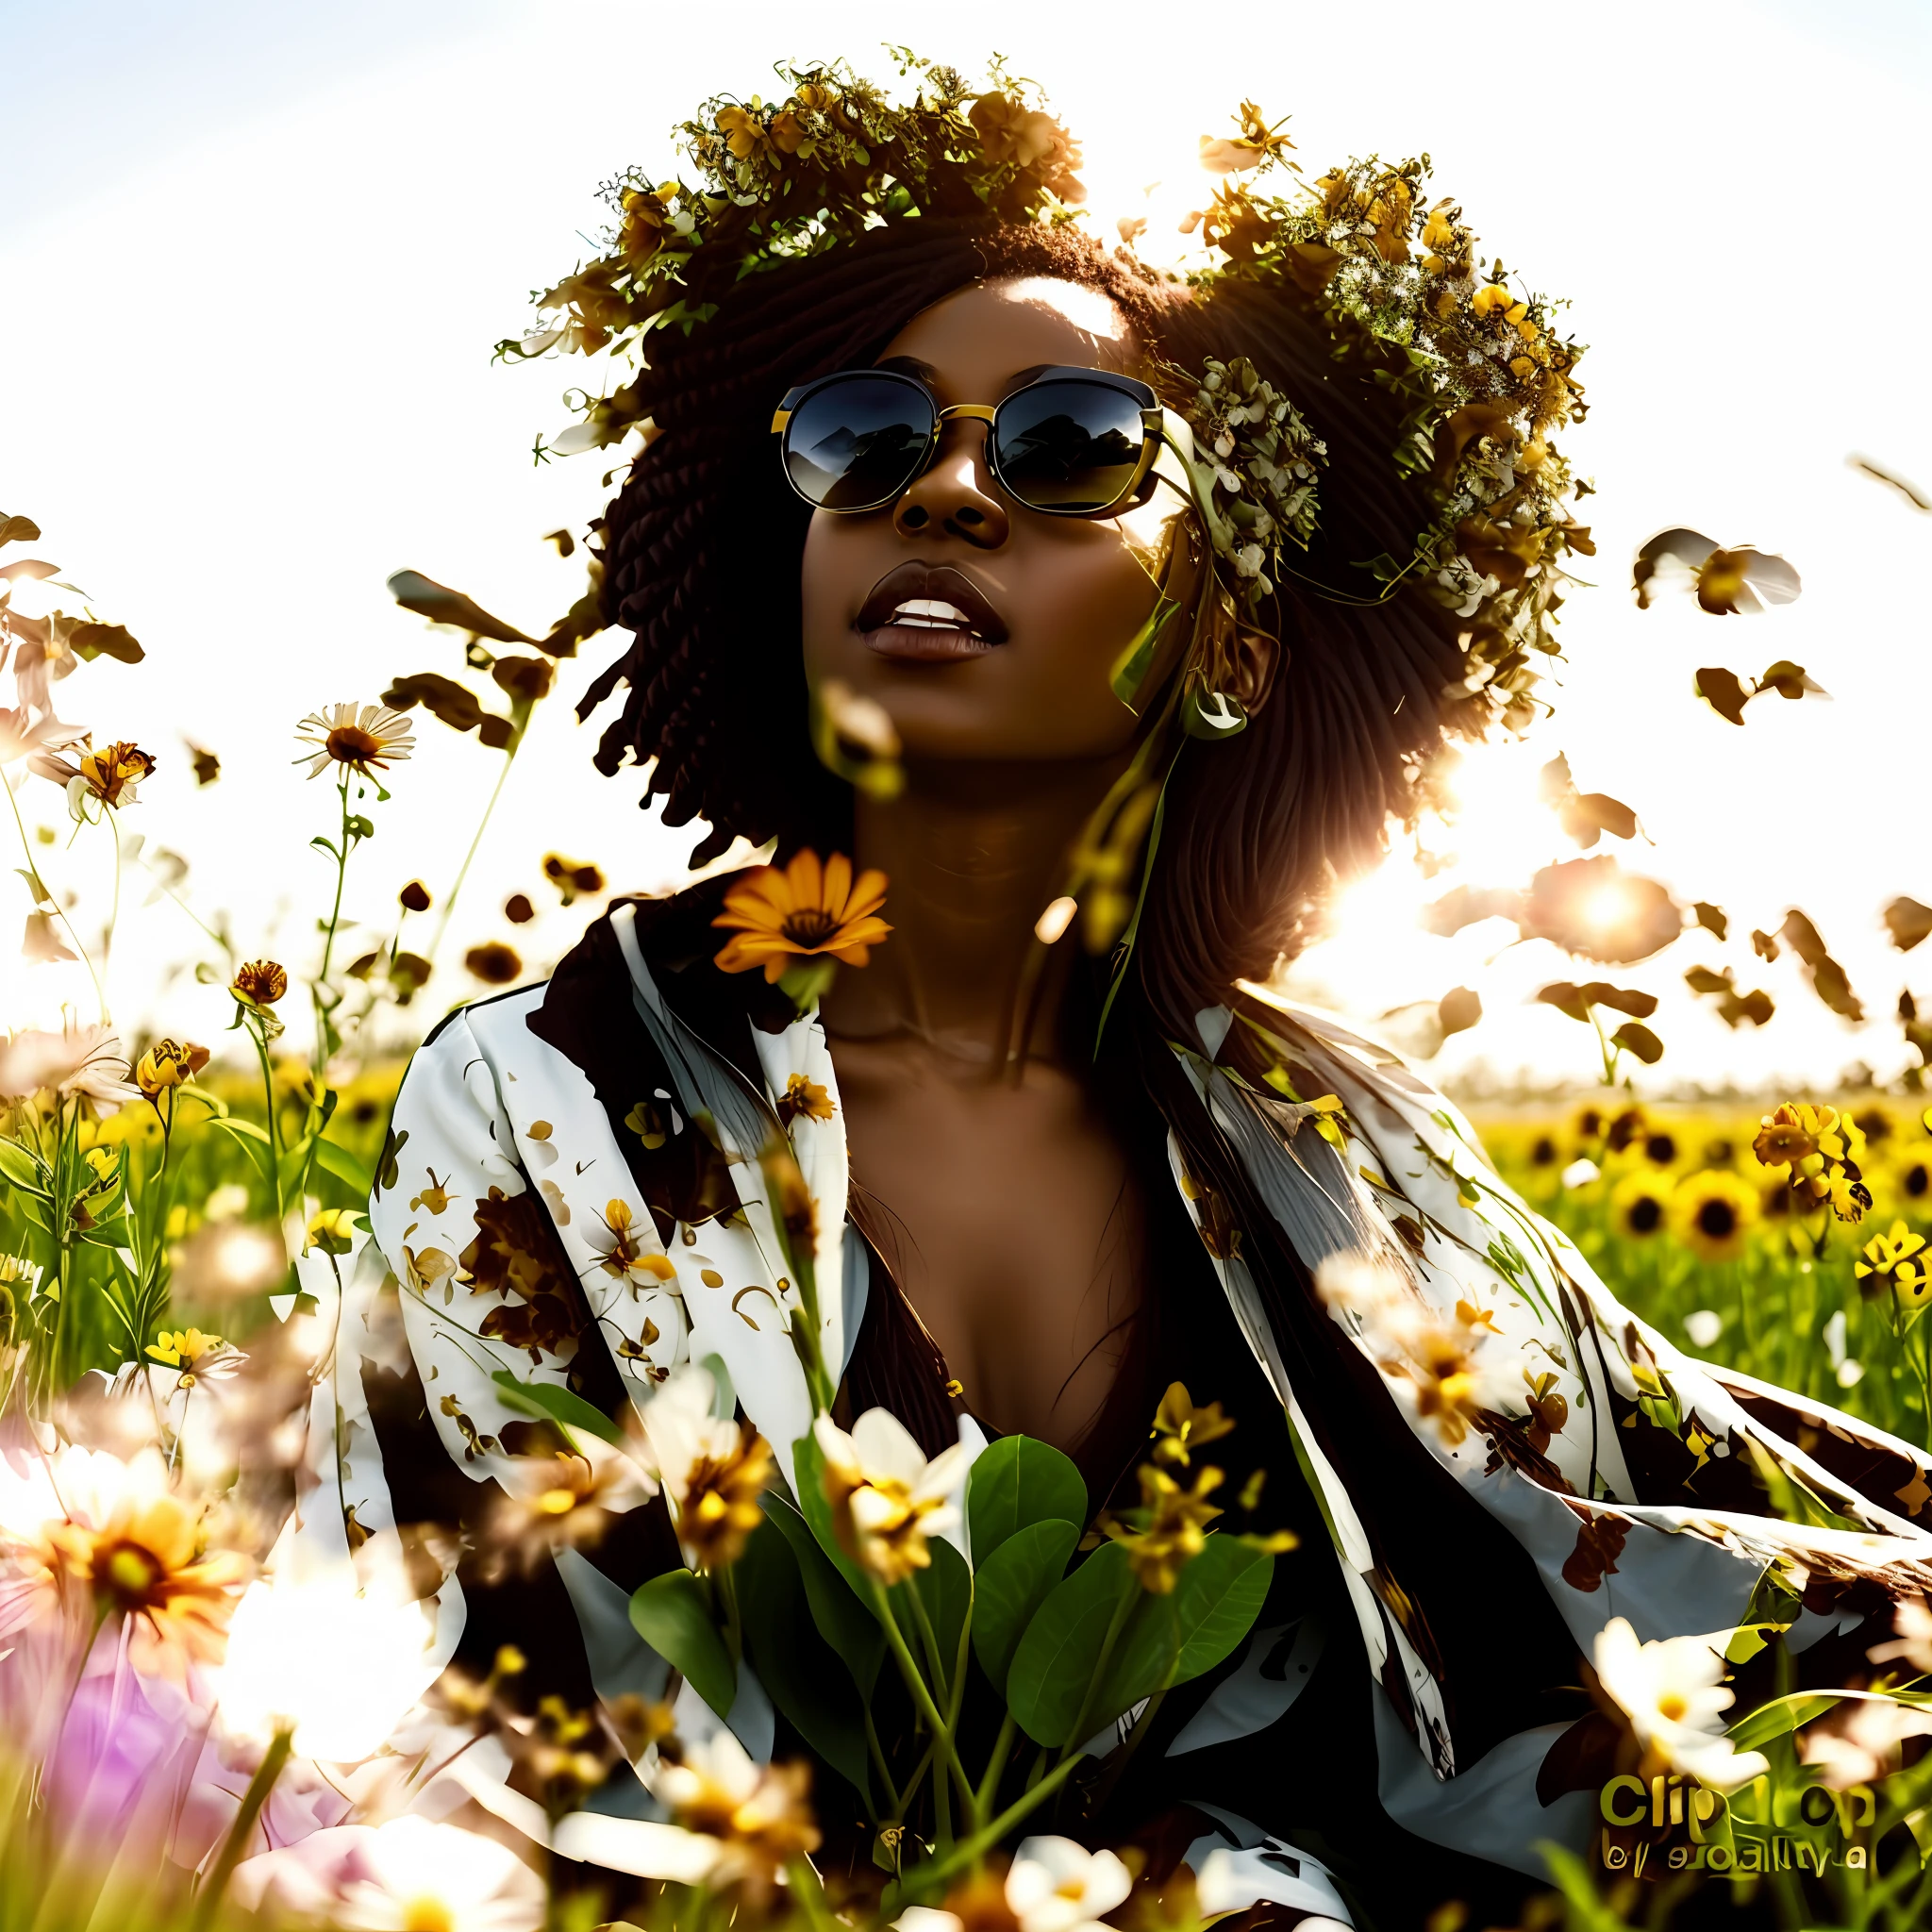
{"x":957,"y":495}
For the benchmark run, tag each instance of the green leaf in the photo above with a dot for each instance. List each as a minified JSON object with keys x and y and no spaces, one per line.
{"x":345,"y":1167}
{"x":673,"y":1615}
{"x":1016,"y":1481}
{"x":843,"y":1619}
{"x":229,"y":1124}
{"x":794,"y":1661}
{"x":22,"y":1169}
{"x":1010,"y":1584}
{"x":1046,"y":1685}
{"x":555,"y":1403}
{"x":1634,"y":1037}
{"x":1216,"y":1602}
{"x":1777,"y":1720}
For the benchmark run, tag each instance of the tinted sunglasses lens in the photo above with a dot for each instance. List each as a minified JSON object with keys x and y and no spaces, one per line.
{"x":856,"y":443}
{"x":1068,"y":446}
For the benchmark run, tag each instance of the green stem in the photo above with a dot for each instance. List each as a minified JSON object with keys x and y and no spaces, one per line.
{"x":995,"y":1765}
{"x":40,"y":886}
{"x":879,"y":1764}
{"x":927,"y":1877}
{"x":922,"y":1697}
{"x":803,"y":1883}
{"x":239,"y":1832}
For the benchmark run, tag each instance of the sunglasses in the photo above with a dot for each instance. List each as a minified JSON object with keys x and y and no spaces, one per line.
{"x":1070,"y":442}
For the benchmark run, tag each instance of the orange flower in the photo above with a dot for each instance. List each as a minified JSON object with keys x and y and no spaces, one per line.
{"x":802,"y":912}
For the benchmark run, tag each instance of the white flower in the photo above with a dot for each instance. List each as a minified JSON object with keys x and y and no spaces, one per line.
{"x":1058,"y":1886}
{"x":1580,"y":1173}
{"x":757,"y":1815}
{"x":1704,"y":1326}
{"x":338,"y":1663}
{"x":682,"y":1431}
{"x":887,"y":1499}
{"x":407,"y":1875}
{"x":86,"y":1060}
{"x":929,"y":1919}
{"x":1673,"y":1692}
{"x":1858,"y":1742}
{"x":1913,"y":1622}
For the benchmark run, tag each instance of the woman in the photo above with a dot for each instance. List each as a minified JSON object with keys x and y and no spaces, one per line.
{"x":1108,"y":619}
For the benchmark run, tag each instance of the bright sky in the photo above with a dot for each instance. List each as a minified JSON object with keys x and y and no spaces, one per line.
{"x":256,"y":258}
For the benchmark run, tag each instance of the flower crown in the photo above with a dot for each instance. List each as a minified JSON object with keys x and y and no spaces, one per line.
{"x":1479,"y":371}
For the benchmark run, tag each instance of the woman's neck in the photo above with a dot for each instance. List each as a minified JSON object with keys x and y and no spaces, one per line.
{"x":973,"y":855}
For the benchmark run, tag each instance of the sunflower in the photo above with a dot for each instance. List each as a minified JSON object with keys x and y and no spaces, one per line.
{"x":1641,"y":1205}
{"x":804,"y":912}
{"x":364,"y":739}
{"x":1711,"y":1213}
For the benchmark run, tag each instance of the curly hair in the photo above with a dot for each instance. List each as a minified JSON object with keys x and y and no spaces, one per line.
{"x":702,"y":566}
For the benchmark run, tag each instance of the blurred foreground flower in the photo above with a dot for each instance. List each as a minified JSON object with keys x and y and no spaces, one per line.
{"x":1672,"y":1695}
{"x":714,"y":1468}
{"x":80,"y":1061}
{"x":760,"y":1814}
{"x":364,"y":739}
{"x":407,"y":1875}
{"x":563,"y":1501}
{"x":1173,"y":1528}
{"x":104,"y":1540}
{"x":195,"y":1356}
{"x":1913,"y":1622}
{"x":887,"y":1499}
{"x":334,"y":1663}
{"x":1594,"y":908}
{"x":1056,"y":1885}
{"x":1860,"y":1740}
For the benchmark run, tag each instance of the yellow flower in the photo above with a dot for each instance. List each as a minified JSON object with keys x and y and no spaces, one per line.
{"x":714,"y":1468}
{"x":1491,"y":297}
{"x":1712,"y":1212}
{"x":1896,"y":1259}
{"x":562,"y":1501}
{"x":1641,"y":1205}
{"x":117,"y":1533}
{"x":887,"y":1499}
{"x":332,"y":1230}
{"x":804,"y":912}
{"x":804,"y":1099}
{"x":760,"y":1815}
{"x":168,"y":1063}
{"x":111,"y":774}
{"x":1438,"y":230}
{"x":259,"y":983}
{"x":365,"y":739}
{"x":1182,"y":1427}
{"x":1174,"y":1529}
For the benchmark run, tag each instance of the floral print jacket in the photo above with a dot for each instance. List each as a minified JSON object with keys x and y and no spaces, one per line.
{"x":572,"y":1178}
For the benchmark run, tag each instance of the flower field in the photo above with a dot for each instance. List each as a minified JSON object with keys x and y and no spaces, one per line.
{"x":1693,"y":1233}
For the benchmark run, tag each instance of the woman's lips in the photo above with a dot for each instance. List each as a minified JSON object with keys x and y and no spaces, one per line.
{"x":923,"y":613}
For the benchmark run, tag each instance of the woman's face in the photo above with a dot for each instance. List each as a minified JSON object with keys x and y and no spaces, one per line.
{"x":1023,"y":672}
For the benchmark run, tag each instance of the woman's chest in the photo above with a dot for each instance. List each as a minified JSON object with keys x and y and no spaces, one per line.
{"x":1007,"y":1213}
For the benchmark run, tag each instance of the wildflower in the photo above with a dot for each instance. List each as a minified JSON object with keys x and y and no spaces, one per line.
{"x":365,"y":739}
{"x":1182,"y":1427}
{"x":1056,"y":1885}
{"x":1821,"y":1150}
{"x":1712,"y":1212}
{"x":803,"y":911}
{"x":168,"y":1063}
{"x":714,"y":1468}
{"x":79,"y":1062}
{"x":624,"y":1255}
{"x":414,"y":897}
{"x":110,"y":776}
{"x":1858,"y":1740}
{"x":333,"y":1230}
{"x":494,"y":963}
{"x":563,"y":1501}
{"x":1703,"y":1326}
{"x":1913,"y":1622}
{"x":1639,"y":1203}
{"x":196,"y":1356}
{"x":407,"y":1875}
{"x":259,"y":983}
{"x":759,"y":1814}
{"x":1896,"y":1261}
{"x":804,"y":1099}
{"x":336,"y":1664}
{"x":1672,"y":1692}
{"x":116,"y":1534}
{"x":1173,"y":1527}
{"x":887,"y":1499}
